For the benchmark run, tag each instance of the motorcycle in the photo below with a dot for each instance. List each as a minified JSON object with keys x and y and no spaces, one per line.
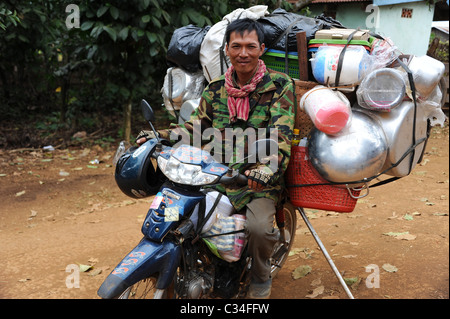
{"x":175,"y":258}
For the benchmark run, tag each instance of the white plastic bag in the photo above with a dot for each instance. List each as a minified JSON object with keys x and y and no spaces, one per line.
{"x":181,"y":86}
{"x":224,"y":208}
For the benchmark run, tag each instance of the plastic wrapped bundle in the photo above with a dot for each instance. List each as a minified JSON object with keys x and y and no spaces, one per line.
{"x":180,"y":86}
{"x":382,"y":90}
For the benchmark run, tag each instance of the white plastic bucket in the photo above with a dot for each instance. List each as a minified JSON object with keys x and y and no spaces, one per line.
{"x":354,"y":65}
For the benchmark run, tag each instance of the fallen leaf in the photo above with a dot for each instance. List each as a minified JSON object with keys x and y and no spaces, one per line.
{"x":394,"y":234}
{"x":316,"y":282}
{"x":63,"y":173}
{"x":389,"y":268}
{"x":440,"y":214}
{"x":95,"y":272}
{"x":24,"y":280}
{"x":394,"y":216}
{"x":408,"y":217}
{"x":301,"y":271}
{"x":20,"y":193}
{"x":317,"y":291}
{"x":405,"y":235}
{"x":352,"y":282}
{"x":84,"y":268}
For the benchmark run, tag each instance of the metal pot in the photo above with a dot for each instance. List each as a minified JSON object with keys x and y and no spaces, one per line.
{"x":427,"y":73}
{"x":357,"y":152}
{"x":398,"y":127}
{"x":382,"y":90}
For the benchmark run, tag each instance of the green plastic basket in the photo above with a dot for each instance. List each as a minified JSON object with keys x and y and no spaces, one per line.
{"x":335,"y":41}
{"x":275,"y":60}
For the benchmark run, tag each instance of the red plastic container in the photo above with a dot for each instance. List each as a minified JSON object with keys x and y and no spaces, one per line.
{"x":324,"y":197}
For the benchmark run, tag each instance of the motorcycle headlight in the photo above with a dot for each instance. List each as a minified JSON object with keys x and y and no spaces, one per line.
{"x":183,"y":173}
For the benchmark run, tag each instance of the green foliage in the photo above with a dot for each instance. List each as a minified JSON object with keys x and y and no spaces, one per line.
{"x":8,"y":17}
{"x":116,"y":56}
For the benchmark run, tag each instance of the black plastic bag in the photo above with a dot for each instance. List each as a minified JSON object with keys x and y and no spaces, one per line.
{"x":184,"y":47}
{"x":329,"y":22}
{"x":281,"y":25}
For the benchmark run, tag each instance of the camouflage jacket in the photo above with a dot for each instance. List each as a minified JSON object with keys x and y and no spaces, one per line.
{"x":272,"y":114}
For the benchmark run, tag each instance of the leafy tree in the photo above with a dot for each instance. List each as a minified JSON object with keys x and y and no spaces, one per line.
{"x":106,"y":66}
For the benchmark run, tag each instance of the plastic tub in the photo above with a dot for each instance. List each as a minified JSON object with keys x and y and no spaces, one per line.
{"x":329,"y":110}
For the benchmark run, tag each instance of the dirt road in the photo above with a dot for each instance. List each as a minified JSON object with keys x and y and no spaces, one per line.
{"x":59,"y":210}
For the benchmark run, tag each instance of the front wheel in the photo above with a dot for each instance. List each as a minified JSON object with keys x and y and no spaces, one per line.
{"x":146,"y":289}
{"x":282,"y":248}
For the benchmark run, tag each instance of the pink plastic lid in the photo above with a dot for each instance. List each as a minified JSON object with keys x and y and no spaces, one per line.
{"x":333,"y":118}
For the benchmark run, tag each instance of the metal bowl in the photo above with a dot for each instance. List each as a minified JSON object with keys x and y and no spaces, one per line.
{"x":357,"y":152}
{"x":427,"y":73}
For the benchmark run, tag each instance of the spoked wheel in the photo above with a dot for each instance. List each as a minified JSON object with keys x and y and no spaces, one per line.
{"x":282,"y":248}
{"x":145,"y":289}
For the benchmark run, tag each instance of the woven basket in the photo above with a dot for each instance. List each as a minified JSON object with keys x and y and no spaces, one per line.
{"x":325,"y":197}
{"x":302,"y":120}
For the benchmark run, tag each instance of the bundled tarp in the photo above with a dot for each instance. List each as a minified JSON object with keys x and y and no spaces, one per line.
{"x":280,"y":28}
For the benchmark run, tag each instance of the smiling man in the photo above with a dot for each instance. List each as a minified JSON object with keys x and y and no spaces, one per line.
{"x":248,"y":96}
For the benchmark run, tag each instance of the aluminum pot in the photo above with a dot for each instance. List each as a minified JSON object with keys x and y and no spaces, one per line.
{"x":427,"y":73}
{"x":398,"y":127}
{"x":382,"y":90}
{"x":187,"y":109}
{"x":357,"y":152}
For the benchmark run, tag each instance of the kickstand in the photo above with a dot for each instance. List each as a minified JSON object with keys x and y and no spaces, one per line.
{"x":325,"y":253}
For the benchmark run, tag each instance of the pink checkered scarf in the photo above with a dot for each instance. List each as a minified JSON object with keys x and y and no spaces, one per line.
{"x":238,"y":101}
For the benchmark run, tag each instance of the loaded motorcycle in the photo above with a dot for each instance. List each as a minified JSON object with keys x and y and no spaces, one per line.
{"x":176,"y":258}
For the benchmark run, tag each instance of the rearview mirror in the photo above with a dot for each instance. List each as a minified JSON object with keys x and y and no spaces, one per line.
{"x":147,"y":111}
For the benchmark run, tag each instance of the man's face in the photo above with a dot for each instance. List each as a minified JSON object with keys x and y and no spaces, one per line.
{"x":244,"y":52}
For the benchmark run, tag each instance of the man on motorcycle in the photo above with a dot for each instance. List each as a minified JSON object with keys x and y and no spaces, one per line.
{"x":248,"y":95}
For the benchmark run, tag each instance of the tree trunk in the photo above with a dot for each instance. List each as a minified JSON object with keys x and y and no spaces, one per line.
{"x":127,"y":120}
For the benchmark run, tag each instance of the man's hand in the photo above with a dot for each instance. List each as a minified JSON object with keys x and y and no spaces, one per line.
{"x":144,"y":136}
{"x":258,"y":178}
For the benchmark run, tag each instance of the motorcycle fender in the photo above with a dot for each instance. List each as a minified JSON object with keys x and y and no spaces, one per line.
{"x":147,"y":258}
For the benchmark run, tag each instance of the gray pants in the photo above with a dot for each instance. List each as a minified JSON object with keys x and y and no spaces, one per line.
{"x":261,"y":238}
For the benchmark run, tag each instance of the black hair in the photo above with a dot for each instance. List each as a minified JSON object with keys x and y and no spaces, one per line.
{"x":242,"y":25}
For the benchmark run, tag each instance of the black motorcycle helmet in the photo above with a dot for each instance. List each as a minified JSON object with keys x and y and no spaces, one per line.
{"x":135,"y":174}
